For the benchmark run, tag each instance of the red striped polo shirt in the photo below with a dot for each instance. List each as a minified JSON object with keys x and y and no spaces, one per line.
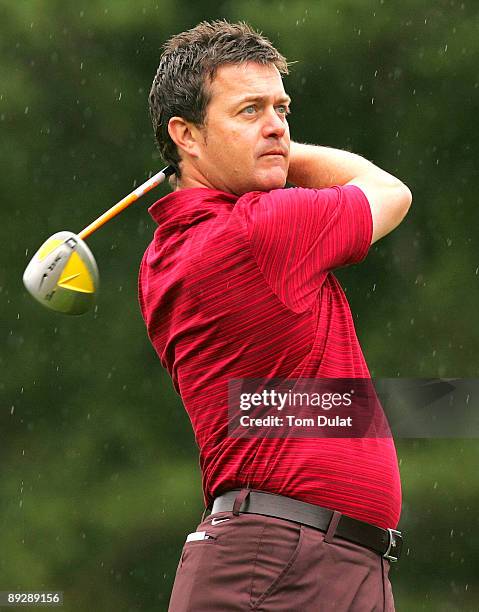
{"x":234,"y":288}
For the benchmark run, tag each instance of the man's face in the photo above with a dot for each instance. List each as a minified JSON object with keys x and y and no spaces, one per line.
{"x":245,"y":142}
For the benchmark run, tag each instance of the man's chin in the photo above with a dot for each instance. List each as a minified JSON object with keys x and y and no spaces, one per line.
{"x":273,"y":179}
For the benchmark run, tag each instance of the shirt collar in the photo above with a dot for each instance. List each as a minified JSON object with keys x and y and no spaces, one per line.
{"x":190,"y":204}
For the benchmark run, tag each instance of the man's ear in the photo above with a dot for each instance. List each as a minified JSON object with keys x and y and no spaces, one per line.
{"x":185,"y":135}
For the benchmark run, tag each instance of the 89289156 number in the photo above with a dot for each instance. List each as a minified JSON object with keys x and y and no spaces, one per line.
{"x":31,"y":598}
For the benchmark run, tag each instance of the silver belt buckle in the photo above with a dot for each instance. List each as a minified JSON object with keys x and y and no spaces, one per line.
{"x":392,"y":545}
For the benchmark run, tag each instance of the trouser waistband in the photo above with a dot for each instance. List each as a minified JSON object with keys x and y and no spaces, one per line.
{"x":386,"y":542}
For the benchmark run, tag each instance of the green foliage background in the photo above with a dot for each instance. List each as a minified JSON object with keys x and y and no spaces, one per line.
{"x":99,"y":466}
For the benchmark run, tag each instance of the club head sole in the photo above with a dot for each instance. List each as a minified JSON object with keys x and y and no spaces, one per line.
{"x":63,"y":275}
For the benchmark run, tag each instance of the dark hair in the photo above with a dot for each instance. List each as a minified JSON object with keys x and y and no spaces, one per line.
{"x":188,"y":65}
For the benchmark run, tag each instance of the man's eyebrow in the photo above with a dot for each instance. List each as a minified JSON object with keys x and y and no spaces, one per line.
{"x":259,"y":98}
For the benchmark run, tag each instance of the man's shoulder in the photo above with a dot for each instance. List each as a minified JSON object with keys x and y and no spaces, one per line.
{"x":286,"y":200}
{"x":291,"y":193}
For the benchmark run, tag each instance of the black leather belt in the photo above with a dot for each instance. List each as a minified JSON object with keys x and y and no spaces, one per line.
{"x":386,"y":542}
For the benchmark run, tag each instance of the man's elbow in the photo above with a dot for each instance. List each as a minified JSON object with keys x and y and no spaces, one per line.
{"x":389,"y":212}
{"x":400,"y":205}
{"x":403,"y":201}
{"x":406,"y":199}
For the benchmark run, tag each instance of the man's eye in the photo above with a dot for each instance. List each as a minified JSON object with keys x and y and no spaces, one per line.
{"x":249,"y":110}
{"x":282,"y":109}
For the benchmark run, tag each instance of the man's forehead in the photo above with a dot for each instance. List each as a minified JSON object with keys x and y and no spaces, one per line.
{"x":238,"y":81}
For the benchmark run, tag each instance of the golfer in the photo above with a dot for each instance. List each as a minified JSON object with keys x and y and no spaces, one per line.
{"x":237,"y":283}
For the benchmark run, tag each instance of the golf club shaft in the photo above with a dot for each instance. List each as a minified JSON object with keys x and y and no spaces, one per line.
{"x":126,"y":201}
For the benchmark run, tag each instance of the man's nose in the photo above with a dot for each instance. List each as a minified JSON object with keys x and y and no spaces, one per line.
{"x":274,"y":125}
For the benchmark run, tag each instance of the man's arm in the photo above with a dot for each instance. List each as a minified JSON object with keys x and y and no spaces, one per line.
{"x":316,"y":167}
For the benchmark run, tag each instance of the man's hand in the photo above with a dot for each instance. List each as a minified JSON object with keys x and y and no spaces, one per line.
{"x":316,"y":167}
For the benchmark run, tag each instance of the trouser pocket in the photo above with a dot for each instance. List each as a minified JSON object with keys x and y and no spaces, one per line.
{"x":198,"y":547}
{"x":278,"y":549}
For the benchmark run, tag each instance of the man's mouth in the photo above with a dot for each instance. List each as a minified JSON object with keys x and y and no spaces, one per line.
{"x":277,"y":152}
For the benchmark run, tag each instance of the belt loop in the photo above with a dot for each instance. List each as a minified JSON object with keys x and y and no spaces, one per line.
{"x":240,"y":498}
{"x":333,"y":523}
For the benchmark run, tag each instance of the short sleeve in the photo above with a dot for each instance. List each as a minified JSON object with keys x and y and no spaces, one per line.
{"x":299,"y":235}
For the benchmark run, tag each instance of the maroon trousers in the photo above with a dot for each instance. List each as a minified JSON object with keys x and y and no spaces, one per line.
{"x":253,"y":562}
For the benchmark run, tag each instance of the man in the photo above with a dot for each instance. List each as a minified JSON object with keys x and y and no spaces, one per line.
{"x":236,"y":284}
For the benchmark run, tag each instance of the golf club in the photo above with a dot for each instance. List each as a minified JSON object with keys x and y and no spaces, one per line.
{"x":63,"y":275}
